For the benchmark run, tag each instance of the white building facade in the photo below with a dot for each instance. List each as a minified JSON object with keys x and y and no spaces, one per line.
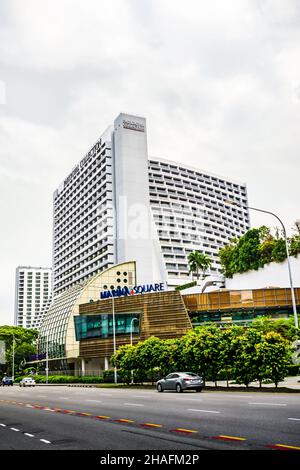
{"x":190,"y":212}
{"x":272,"y":275}
{"x":33,"y":295}
{"x":119,"y":204}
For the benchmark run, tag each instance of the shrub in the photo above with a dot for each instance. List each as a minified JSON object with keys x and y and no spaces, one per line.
{"x":64,"y":379}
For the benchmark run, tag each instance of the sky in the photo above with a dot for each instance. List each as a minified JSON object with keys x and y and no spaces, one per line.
{"x":218,"y":81}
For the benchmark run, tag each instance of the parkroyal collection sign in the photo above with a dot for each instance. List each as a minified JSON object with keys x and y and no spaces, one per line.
{"x":125,"y":291}
{"x":84,"y":161}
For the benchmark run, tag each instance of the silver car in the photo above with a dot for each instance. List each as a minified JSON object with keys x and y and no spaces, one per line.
{"x":27,"y":382}
{"x":180,"y":381}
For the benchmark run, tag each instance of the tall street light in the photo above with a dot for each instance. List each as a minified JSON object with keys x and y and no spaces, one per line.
{"x":47,"y":359}
{"x":131,"y":328}
{"x":233,"y":203}
{"x":13,"y":359}
{"x":114,"y":337}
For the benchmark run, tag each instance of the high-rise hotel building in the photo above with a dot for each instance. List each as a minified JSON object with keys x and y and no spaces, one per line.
{"x":118,"y":205}
{"x":33,"y":295}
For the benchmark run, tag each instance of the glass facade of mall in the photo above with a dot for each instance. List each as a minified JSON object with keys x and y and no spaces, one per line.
{"x":240,"y":306}
{"x":57,"y":332}
{"x":101,"y":326}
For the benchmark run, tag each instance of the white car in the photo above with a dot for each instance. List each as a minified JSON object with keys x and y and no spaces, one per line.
{"x":27,"y":382}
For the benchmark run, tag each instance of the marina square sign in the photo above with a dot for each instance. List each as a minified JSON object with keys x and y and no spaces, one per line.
{"x":125,"y":291}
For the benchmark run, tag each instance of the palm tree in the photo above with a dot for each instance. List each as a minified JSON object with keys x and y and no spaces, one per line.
{"x":193,"y":263}
{"x":198,"y":261}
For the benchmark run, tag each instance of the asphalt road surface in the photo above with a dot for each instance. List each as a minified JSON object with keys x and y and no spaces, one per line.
{"x":62,"y":417}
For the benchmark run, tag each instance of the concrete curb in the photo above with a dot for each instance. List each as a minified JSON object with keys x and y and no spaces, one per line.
{"x":252,"y":389}
{"x":82,"y":385}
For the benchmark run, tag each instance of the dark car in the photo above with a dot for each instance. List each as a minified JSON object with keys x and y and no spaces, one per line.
{"x":7,"y":381}
{"x":180,"y":381}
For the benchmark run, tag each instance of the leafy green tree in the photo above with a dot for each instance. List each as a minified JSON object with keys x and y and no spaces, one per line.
{"x":228,"y":350}
{"x":248,"y":251}
{"x":246,"y":363}
{"x":285,"y":327}
{"x":172,"y":357}
{"x":256,"y":248}
{"x":266,"y":247}
{"x":202,"y":350}
{"x":274,"y":355}
{"x":228,"y":258}
{"x":125,"y":359}
{"x":148,"y":356}
{"x":295,"y":245}
{"x":279,"y":251}
{"x":24,"y":345}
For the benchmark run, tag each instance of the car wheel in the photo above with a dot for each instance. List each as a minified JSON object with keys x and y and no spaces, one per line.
{"x":178,"y":388}
{"x":198,"y":390}
{"x":159,"y":388}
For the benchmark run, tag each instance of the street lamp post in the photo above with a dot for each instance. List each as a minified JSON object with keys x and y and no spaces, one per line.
{"x":131,"y":325}
{"x":47,"y":360}
{"x":233,"y":203}
{"x":13,"y":359}
{"x":114,"y":337}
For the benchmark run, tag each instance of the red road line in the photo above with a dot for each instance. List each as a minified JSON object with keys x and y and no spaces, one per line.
{"x":151,"y":425}
{"x":283,"y":447}
{"x":229,"y":438}
{"x":184,"y":431}
{"x":123,"y":420}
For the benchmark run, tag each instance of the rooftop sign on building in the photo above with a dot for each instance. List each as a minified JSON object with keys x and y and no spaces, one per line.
{"x":125,"y":291}
{"x":133,"y":125}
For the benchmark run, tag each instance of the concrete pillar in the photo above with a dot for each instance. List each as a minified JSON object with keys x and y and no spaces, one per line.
{"x":106,"y":363}
{"x":83,"y":367}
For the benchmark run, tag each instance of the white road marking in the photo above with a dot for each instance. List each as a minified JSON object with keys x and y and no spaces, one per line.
{"x":189,"y":399}
{"x":204,"y":411}
{"x":95,"y":401}
{"x":241,"y":396}
{"x":15,"y":429}
{"x":267,"y":404}
{"x":294,"y":419}
{"x":141,"y":396}
{"x":45,"y":441}
{"x":27,"y":434}
{"x":133,"y":404}
{"x":64,"y":398}
{"x":3,"y":425}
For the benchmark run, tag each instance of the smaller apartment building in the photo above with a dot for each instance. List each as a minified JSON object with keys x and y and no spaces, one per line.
{"x":33,"y":295}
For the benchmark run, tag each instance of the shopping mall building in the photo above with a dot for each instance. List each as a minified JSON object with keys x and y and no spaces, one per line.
{"x":79,"y":327}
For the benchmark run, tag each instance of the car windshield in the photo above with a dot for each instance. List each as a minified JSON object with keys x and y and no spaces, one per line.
{"x":191,"y":374}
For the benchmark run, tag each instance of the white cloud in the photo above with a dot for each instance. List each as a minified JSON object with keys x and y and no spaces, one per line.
{"x":217,"y":81}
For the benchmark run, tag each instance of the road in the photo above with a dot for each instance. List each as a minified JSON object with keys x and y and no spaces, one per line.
{"x":64,"y":417}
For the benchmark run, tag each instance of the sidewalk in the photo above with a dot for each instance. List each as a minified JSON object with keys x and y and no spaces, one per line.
{"x":292,"y":383}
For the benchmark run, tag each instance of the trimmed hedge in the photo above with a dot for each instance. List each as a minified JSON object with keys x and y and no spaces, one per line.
{"x":186,"y":286}
{"x":60,"y":379}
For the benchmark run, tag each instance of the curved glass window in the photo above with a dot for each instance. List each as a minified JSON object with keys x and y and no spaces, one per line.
{"x":101,"y":326}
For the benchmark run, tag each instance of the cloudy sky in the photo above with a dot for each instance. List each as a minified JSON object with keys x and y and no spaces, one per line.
{"x":217,"y":80}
